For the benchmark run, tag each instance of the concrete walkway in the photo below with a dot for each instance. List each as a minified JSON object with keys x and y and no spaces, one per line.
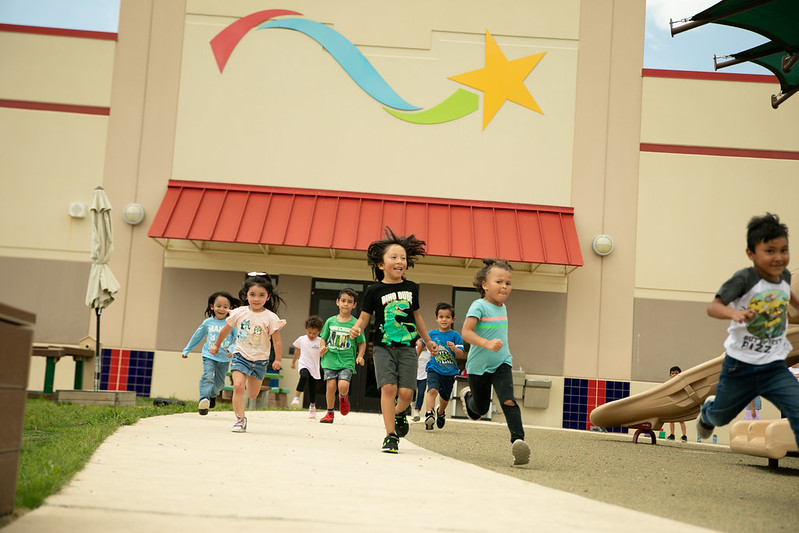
{"x":289,"y":473}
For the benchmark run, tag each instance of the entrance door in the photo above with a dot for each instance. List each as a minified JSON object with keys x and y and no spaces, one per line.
{"x":364,"y":394}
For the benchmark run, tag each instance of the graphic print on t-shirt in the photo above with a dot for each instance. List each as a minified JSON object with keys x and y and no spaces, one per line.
{"x":771,"y":318}
{"x":393,"y":330}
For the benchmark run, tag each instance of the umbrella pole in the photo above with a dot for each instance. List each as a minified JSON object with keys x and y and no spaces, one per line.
{"x":97,"y":354}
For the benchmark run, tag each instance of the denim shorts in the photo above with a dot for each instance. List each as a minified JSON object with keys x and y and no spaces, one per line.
{"x":443,"y":384}
{"x":344,"y":374}
{"x":256,"y":369}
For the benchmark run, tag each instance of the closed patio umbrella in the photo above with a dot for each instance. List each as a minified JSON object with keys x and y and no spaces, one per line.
{"x":102,"y":283}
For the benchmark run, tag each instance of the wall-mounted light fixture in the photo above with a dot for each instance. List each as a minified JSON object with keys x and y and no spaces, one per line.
{"x":77,"y":210}
{"x":602,"y":245}
{"x":133,"y":214}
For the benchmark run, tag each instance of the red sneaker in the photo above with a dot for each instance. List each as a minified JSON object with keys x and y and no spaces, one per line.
{"x":328,"y":418}
{"x":344,"y":405}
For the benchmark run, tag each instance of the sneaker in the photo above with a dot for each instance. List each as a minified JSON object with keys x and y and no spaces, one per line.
{"x":416,"y":415}
{"x":429,"y":420}
{"x":683,"y":439}
{"x":203,"y":406}
{"x":703,"y":429}
{"x":312,"y":412}
{"x":465,"y":394}
{"x":401,"y":426}
{"x":328,"y":418}
{"x":520,"y":451}
{"x":343,"y":405}
{"x":670,"y":437}
{"x":295,"y":402}
{"x":211,"y":402}
{"x":391,"y":443}
{"x":241,"y":425}
{"x":440,"y":419}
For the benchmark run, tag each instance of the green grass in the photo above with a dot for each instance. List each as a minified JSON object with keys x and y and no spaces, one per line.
{"x":59,"y":439}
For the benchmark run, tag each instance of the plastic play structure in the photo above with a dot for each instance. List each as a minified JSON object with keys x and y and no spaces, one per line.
{"x":680,"y":398}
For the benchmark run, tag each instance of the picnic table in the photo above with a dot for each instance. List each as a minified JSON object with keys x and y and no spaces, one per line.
{"x":54,"y":354}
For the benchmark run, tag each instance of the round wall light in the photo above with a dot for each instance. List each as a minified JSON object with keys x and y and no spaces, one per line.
{"x":133,"y":214}
{"x":602,"y":245}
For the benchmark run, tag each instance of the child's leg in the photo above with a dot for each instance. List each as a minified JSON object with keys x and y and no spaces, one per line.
{"x":220,"y":373}
{"x":421,"y":387}
{"x":503,"y":385}
{"x":253,"y":387}
{"x":207,"y":379}
{"x":480,"y":387}
{"x":738,"y":384}
{"x":310,"y":390}
{"x":682,"y":427}
{"x":781,"y":388}
{"x":330,"y":394}
{"x":404,"y":398}
{"x":302,"y":383}
{"x":430,"y":400}
{"x":671,"y":428}
{"x":239,"y":384}
{"x":343,"y":387}
{"x":387,"y":394}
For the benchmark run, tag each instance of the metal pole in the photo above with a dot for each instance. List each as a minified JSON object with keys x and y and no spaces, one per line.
{"x":98,"y":310}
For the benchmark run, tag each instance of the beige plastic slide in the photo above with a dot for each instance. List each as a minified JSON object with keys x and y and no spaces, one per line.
{"x":676,"y":400}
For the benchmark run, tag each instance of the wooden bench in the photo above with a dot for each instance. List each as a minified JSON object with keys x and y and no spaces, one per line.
{"x":53,"y":354}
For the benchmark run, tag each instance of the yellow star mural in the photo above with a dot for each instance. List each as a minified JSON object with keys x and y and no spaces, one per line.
{"x":501,"y":80}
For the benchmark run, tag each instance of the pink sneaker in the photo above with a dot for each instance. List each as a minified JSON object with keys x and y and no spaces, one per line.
{"x":312,"y":412}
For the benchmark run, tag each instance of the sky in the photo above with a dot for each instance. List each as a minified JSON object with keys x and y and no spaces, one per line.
{"x":691,"y":50}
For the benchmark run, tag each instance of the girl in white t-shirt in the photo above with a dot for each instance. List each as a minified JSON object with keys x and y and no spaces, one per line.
{"x":258,"y":329}
{"x":308,"y":355}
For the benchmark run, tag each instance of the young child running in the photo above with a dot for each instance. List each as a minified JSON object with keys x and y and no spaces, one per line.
{"x":340,"y":354}
{"x":421,"y":378}
{"x":258,"y":328}
{"x":395,"y":303}
{"x":307,"y":353}
{"x":755,"y":301}
{"x":442,"y":369}
{"x":214,"y":365}
{"x":673,"y":371}
{"x":489,"y":359}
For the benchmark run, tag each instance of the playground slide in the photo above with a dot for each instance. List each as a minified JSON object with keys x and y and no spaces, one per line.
{"x":676,"y":400}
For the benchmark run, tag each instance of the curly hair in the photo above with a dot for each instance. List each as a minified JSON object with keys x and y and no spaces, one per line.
{"x":314,"y":322}
{"x":414,"y":249}
{"x":481,"y":275}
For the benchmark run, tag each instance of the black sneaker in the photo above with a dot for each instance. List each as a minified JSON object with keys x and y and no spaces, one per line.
{"x":429,"y":420}
{"x":440,"y":419}
{"x":670,"y":437}
{"x":211,"y":402}
{"x":391,"y":443}
{"x":203,"y":406}
{"x":401,"y":424}
{"x":684,"y":439}
{"x":465,"y":395}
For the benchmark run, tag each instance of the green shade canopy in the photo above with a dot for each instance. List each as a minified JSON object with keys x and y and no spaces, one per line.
{"x":776,"y":20}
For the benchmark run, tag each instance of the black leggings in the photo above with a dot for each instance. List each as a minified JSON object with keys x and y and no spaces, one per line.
{"x":308,"y":384}
{"x":502,"y":381}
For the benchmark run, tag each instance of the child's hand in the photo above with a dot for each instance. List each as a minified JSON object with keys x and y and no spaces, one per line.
{"x":277,"y":365}
{"x":292,"y":363}
{"x":360,"y":361}
{"x":213,"y":350}
{"x":355,"y":331}
{"x":229,"y":355}
{"x":494,"y":345}
{"x":433,"y":349}
{"x":743,"y":315}
{"x":451,"y":345}
{"x":322,"y":351}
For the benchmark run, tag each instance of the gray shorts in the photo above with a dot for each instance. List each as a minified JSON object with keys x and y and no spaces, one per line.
{"x":344,"y":374}
{"x":395,"y":365}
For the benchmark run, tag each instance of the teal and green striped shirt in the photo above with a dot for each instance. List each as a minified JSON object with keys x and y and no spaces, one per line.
{"x":492,"y":323}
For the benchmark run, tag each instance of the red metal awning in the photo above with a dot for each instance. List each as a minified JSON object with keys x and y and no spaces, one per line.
{"x":337,"y":220}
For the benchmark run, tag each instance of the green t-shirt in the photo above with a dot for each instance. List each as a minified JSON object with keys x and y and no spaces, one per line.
{"x":341,"y":350}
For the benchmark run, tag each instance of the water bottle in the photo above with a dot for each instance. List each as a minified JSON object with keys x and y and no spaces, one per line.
{"x":698,"y":438}
{"x":715,"y":439}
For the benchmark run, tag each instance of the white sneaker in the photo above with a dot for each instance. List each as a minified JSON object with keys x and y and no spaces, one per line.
{"x":520,"y":451}
{"x":312,"y":412}
{"x":416,"y":415}
{"x":241,"y":425}
{"x":295,"y":402}
{"x":703,"y":429}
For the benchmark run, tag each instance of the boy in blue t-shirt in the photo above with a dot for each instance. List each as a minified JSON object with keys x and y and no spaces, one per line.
{"x":441,"y":369}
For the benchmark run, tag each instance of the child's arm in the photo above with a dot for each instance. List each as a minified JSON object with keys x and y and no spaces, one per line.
{"x":296,"y":356}
{"x":717,"y":309}
{"x":359,"y":360}
{"x":360,"y":325}
{"x":794,"y":300}
{"x":432,"y":347}
{"x":195,"y":339}
{"x":322,"y":346}
{"x":419,"y":347}
{"x":457,"y":351}
{"x":219,"y":339}
{"x":277,"y":342}
{"x":474,"y":339}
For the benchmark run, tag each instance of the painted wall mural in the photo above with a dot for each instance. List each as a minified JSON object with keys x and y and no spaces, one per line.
{"x":500,"y":80}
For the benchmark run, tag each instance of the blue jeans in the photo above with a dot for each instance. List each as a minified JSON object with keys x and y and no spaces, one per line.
{"x":421,"y":388}
{"x":213,"y":379}
{"x":502,"y":381}
{"x":740,"y":382}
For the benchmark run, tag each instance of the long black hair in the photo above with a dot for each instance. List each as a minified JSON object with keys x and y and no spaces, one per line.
{"x":262,"y":279}
{"x":234,"y":303}
{"x":414,"y":249}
